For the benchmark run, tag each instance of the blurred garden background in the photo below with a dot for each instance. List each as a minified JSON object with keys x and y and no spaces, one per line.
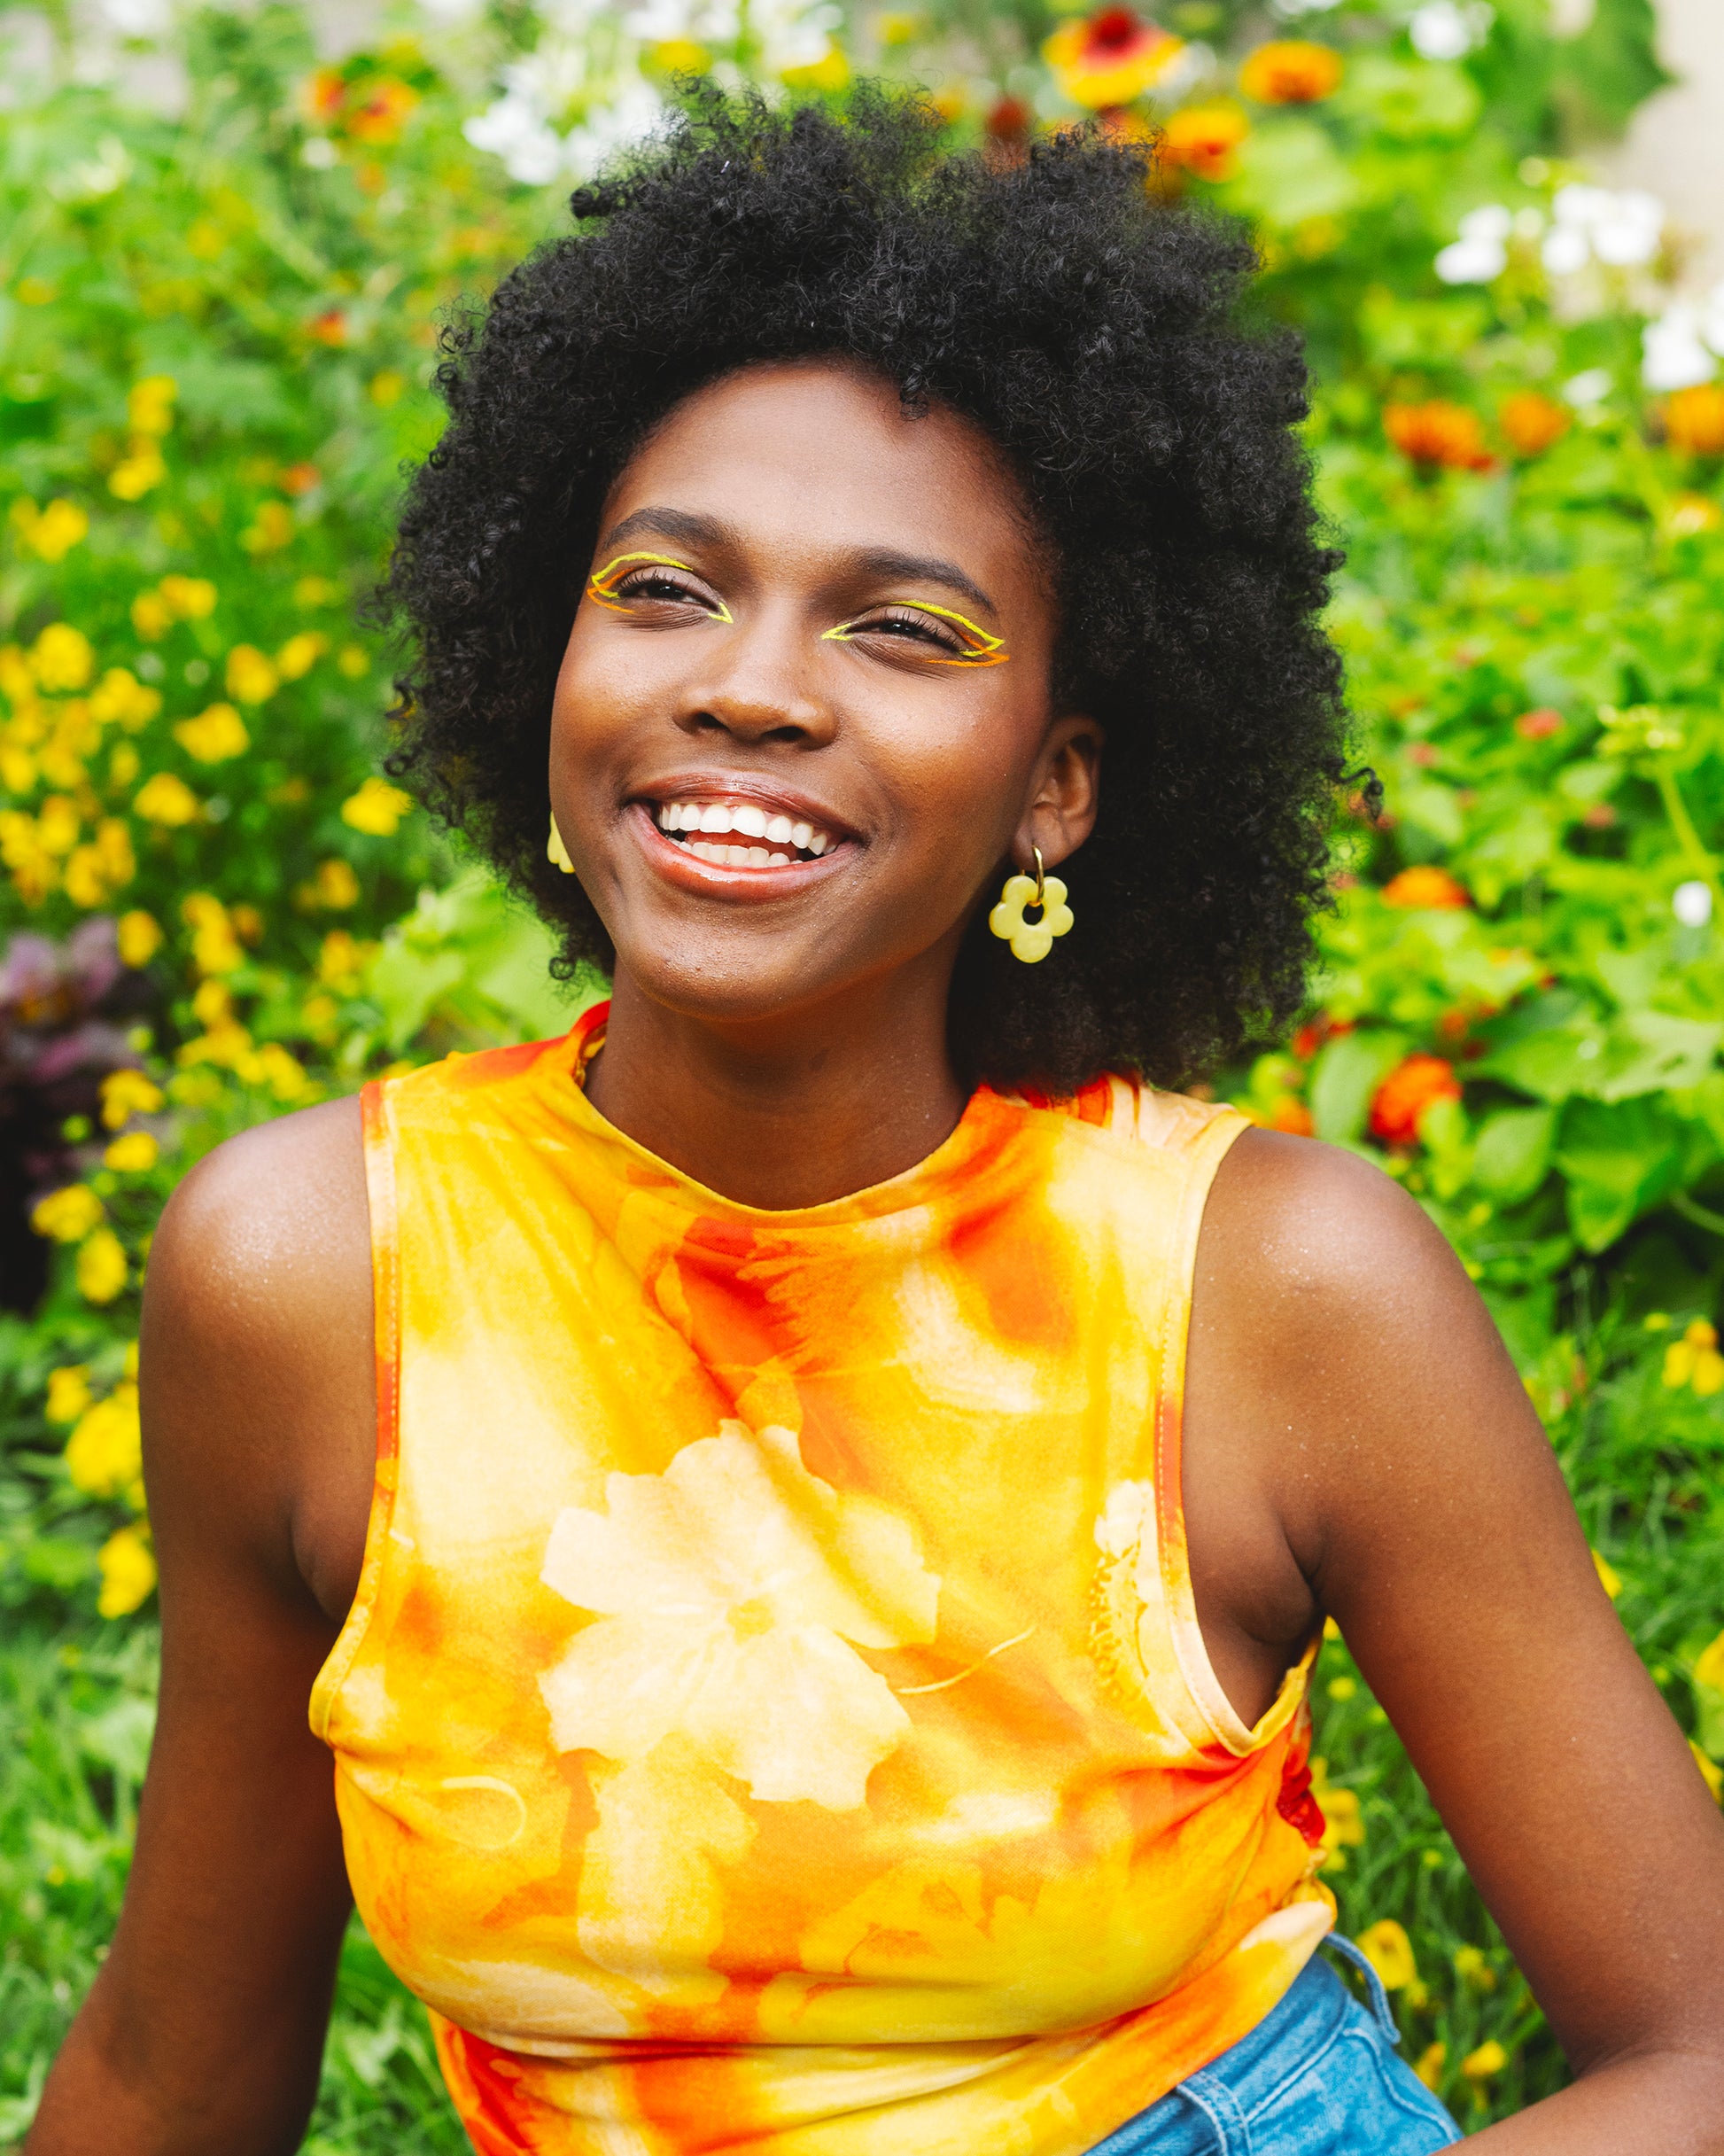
{"x":226,"y":239}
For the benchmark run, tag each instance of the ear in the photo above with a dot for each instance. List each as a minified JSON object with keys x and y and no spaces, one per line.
{"x":1066,"y":793}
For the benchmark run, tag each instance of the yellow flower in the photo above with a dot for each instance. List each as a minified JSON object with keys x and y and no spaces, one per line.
{"x":49,"y":533}
{"x":132,"y":1154}
{"x":377,"y":809}
{"x":351,"y":661}
{"x":1710,"y":1772}
{"x":1487,"y":2059}
{"x":1432,"y":2061}
{"x":138,"y":470}
{"x":1387,"y":1946}
{"x":251,"y":676}
{"x":188,"y":598}
{"x":1709,"y":1667}
{"x":214,"y":1003}
{"x":1291,"y":71}
{"x":57,"y":827}
{"x":126,"y":1094}
{"x":340,"y":960}
{"x":1609,"y":1577}
{"x":1471,"y":1967}
{"x":386,"y":388}
{"x":830,"y":72}
{"x":67,"y":1215}
{"x":215,"y":734}
{"x":101,"y":1266}
{"x":124,"y":766}
{"x":1694,"y":1360}
{"x":167,"y":800}
{"x":270,"y":530}
{"x":336,"y":887}
{"x":283,"y":1073}
{"x":85,"y":885}
{"x":1343,"y":1826}
{"x":214,"y":945}
{"x":299,"y":654}
{"x":1110,"y":58}
{"x":121,"y":698}
{"x":62,"y":658}
{"x":139,"y":937}
{"x":105,"y":1455}
{"x":68,"y":1393}
{"x":151,"y":616}
{"x":128,"y":1573}
{"x":150,"y":407}
{"x":316,"y":591}
{"x":1030,"y":941}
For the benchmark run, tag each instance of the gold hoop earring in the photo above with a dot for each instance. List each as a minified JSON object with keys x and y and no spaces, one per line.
{"x":1032,"y":941}
{"x":556,"y":851}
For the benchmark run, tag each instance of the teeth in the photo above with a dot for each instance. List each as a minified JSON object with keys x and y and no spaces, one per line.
{"x":718,"y":818}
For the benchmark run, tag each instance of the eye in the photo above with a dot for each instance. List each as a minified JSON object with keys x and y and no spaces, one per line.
{"x":934,"y":632}
{"x":651,"y":584}
{"x":656,"y":584}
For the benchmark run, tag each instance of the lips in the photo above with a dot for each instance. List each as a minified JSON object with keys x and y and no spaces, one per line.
{"x":729,"y":831}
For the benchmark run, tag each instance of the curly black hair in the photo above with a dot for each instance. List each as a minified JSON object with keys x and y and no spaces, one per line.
{"x":1093,"y":331}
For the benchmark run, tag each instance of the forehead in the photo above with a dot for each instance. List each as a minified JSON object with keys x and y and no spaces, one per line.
{"x":822,"y":457}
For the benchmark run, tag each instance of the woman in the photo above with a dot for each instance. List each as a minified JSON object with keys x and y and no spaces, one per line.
{"x":813,"y":1664}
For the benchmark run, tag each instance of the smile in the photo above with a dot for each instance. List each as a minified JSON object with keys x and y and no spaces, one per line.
{"x":741,"y":834}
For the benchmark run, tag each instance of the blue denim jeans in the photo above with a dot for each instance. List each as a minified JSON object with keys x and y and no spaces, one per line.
{"x":1320,"y":2076}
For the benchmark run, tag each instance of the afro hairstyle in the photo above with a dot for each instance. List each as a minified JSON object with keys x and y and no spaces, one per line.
{"x":1094,"y":330}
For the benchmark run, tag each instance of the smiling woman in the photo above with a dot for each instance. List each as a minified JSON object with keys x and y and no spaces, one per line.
{"x":803,"y":1510}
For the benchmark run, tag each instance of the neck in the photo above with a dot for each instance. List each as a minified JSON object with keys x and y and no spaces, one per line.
{"x":791,"y":1111}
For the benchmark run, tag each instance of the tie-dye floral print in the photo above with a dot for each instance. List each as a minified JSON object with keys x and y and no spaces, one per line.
{"x":773,"y":1717}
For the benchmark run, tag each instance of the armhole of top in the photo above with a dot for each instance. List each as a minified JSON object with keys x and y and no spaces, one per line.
{"x":1206,"y":1154}
{"x":377,"y":1121}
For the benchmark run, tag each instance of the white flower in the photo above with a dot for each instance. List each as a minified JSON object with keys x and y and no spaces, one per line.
{"x":1712,"y":318}
{"x":1621,"y":230}
{"x":513,"y":129}
{"x":319,"y":153}
{"x":138,"y":17}
{"x":1691,"y":903}
{"x":625,"y":120}
{"x":1584,"y":391}
{"x":727,"y":1589}
{"x":1472,"y":262}
{"x":1629,"y":232}
{"x":1564,"y":251}
{"x":1673,"y":355}
{"x":1445,"y":30}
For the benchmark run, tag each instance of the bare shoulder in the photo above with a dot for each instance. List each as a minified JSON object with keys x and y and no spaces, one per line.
{"x":1365,"y":1380}
{"x":256,"y":1346}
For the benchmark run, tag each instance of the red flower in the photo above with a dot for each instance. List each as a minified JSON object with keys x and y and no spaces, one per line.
{"x":1538,"y":725}
{"x":1409,"y":1090}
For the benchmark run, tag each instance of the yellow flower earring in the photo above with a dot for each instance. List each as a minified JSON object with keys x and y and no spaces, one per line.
{"x":556,"y":851}
{"x":1032,"y":941}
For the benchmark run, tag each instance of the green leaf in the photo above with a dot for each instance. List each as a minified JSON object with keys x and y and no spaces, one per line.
{"x":1289,"y":171}
{"x":1648,"y":1051}
{"x":1619,"y":1159}
{"x":1409,"y":99}
{"x":1512,"y":1156}
{"x":1344,"y":1076}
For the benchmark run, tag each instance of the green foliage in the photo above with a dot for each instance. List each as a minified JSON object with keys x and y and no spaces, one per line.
{"x":216,"y":331}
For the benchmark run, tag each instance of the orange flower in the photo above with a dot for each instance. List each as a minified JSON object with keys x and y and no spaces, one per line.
{"x":1538,"y":725}
{"x":1694,"y":420}
{"x":1438,"y":434}
{"x":1291,"y":71}
{"x":1203,"y":138}
{"x":378,"y":116}
{"x":1111,"y":57}
{"x":1292,"y":1115}
{"x":329,"y":328}
{"x":1533,"y":422}
{"x":1424,"y":890}
{"x":325,"y":93}
{"x":1409,"y":1090}
{"x":1008,"y":120}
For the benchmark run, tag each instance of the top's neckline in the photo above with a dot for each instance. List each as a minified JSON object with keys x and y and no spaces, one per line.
{"x":976,"y":1132}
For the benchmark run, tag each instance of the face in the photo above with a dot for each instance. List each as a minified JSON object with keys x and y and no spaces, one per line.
{"x":804,"y":714}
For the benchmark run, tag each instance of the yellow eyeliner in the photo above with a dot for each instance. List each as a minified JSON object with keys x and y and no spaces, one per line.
{"x":602,"y":585}
{"x":985,"y":651}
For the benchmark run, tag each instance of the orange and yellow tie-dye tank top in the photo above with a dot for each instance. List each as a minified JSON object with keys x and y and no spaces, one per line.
{"x":773,"y":1717}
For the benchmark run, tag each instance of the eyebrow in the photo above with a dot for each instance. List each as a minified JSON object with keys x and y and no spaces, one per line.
{"x":887,"y":562}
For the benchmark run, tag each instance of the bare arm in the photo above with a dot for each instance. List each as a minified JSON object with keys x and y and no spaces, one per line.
{"x":202,"y":2032}
{"x":1360,"y":1444}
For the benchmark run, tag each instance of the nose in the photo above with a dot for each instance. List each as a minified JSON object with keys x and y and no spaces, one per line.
{"x":763,"y":686}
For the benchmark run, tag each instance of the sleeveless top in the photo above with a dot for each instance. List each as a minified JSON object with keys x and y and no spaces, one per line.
{"x":773,"y":1716}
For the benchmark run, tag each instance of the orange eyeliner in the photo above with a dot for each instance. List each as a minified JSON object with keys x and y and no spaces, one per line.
{"x":602,"y":585}
{"x":985,"y":651}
